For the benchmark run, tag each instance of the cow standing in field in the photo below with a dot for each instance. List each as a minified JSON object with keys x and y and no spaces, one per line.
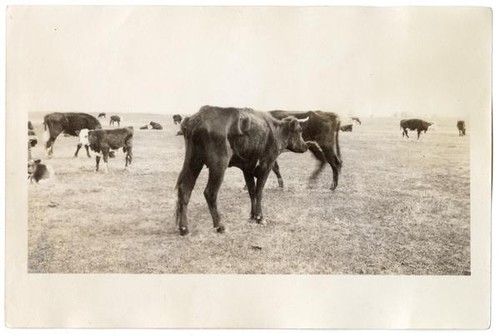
{"x":226,"y":137}
{"x":115,"y":119}
{"x":101,"y":115}
{"x":103,"y":141}
{"x":68,"y":123}
{"x":461,"y":127}
{"x":321,"y":130}
{"x":414,"y":124}
{"x":155,"y":126}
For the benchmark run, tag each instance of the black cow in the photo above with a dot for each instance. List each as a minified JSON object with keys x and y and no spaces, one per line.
{"x":414,"y":124}
{"x":177,"y":119}
{"x":68,"y":123}
{"x":155,"y":125}
{"x":106,"y":140}
{"x":38,"y":171}
{"x":346,"y":128}
{"x":461,"y":127}
{"x":322,"y":128}
{"x":101,"y":115}
{"x":225,"y":137}
{"x":115,"y":119}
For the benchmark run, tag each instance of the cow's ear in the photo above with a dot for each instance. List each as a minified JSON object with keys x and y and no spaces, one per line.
{"x":78,"y":132}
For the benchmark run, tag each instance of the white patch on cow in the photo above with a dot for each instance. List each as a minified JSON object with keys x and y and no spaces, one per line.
{"x":149,"y":126}
{"x":84,"y":137}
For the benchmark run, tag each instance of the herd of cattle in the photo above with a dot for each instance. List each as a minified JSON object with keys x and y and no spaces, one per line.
{"x":218,"y":138}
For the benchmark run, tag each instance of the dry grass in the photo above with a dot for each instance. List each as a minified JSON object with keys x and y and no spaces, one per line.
{"x":402,"y":207}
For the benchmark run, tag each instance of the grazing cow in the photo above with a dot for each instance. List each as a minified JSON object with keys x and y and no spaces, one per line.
{"x":106,"y":140}
{"x":68,"y":123}
{"x":346,"y":128}
{"x":461,"y":127}
{"x":414,"y":124}
{"x":356,"y":119}
{"x":115,"y":119}
{"x":177,"y":119}
{"x":38,"y":171}
{"x":225,"y":137}
{"x":322,"y":128}
{"x":101,"y":115}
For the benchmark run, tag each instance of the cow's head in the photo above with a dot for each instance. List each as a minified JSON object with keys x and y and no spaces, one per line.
{"x":84,"y":136}
{"x":293,"y":134}
{"x":32,"y":165}
{"x":430,"y":127}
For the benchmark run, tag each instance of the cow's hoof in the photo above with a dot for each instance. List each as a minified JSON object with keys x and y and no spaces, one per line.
{"x":261,"y":221}
{"x":220,"y":229}
{"x":252,"y":220}
{"x":280,"y":183}
{"x":333,"y":187}
{"x":183,"y":231}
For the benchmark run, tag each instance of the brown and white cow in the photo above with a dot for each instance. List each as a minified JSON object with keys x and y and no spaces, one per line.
{"x":104,"y":141}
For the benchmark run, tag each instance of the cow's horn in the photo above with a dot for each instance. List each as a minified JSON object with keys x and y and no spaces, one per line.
{"x":303,"y":120}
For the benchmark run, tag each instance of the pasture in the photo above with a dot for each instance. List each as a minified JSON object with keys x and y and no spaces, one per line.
{"x":402,"y":207}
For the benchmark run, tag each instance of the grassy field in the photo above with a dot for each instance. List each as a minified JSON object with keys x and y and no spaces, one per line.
{"x":401,"y":207}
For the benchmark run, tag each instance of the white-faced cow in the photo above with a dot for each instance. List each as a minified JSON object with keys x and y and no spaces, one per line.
{"x":321,"y":130}
{"x":38,"y":171}
{"x":69,"y":123}
{"x":115,"y":119}
{"x":414,"y":124}
{"x":177,"y":119}
{"x":104,"y":141}
{"x":225,"y":137}
{"x":461,"y":127}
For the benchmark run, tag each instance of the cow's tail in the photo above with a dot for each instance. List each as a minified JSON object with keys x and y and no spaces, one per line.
{"x":46,"y":127}
{"x":337,"y":145}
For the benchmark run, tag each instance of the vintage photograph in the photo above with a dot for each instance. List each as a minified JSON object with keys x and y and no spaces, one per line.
{"x":249,"y":140}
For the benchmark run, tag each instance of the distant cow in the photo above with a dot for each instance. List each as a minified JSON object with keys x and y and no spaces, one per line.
{"x":103,"y":141}
{"x":155,"y":125}
{"x":38,"y":171}
{"x":101,"y":115}
{"x":225,"y":137}
{"x":321,"y":128}
{"x":461,"y":127}
{"x":356,"y":119}
{"x":145,"y":127}
{"x":177,"y":119}
{"x":68,"y":123}
{"x":346,"y":128}
{"x":414,"y":124}
{"x":115,"y":119}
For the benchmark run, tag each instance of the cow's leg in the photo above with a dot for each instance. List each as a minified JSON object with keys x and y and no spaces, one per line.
{"x":49,"y":146}
{"x":77,"y":149}
{"x":87,"y":149}
{"x":215,"y":178}
{"x":262,"y":173}
{"x":97,"y":160}
{"x":185,"y":184}
{"x":250,"y":186}
{"x":405,"y":132}
{"x":105,"y":157}
{"x":335,"y":163}
{"x":320,"y":156}
{"x":128,"y":157}
{"x":276,"y":170}
{"x":418,"y":134}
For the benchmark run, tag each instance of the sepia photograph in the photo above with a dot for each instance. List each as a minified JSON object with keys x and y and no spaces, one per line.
{"x":249,"y":140}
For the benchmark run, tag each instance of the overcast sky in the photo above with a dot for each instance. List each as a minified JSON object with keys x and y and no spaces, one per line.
{"x":358,"y":61}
